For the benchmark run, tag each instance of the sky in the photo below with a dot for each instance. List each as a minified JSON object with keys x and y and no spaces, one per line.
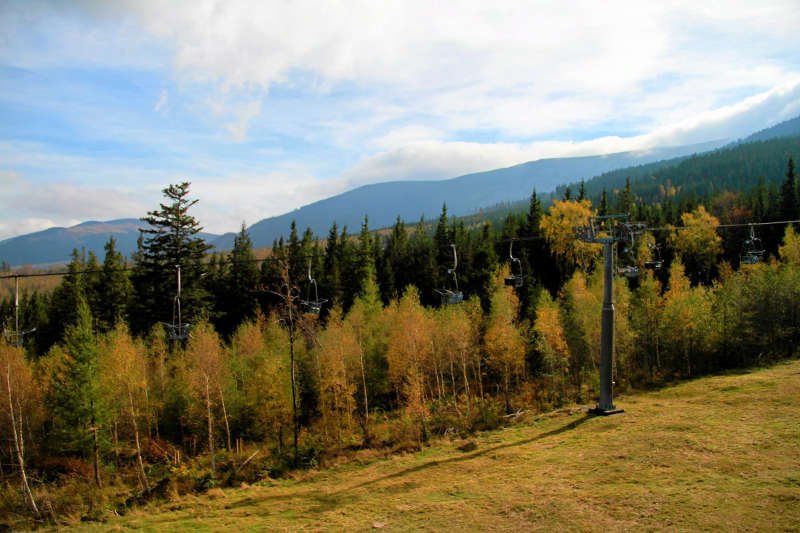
{"x":266,"y":106}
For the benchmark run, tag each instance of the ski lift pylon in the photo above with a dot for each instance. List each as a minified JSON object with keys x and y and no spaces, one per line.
{"x":177,"y":330}
{"x":17,"y":337}
{"x":515,"y":279}
{"x":453,"y":295}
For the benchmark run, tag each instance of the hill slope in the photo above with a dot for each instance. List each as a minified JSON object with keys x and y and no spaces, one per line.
{"x":383,"y":202}
{"x":736,"y":167}
{"x":711,"y":454}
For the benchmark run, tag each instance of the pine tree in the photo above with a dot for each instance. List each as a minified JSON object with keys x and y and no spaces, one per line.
{"x":442,"y":239}
{"x":170,"y":240}
{"x":332,"y":268}
{"x":114,"y":288}
{"x":74,"y":400}
{"x":625,"y":200}
{"x":603,"y":209}
{"x":790,"y":210}
{"x":241,"y":281}
{"x":398,"y":273}
{"x":63,"y":304}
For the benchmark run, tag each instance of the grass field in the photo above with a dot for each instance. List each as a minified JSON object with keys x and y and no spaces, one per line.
{"x":715,"y":454}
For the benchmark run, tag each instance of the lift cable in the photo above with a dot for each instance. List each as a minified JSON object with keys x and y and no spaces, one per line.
{"x":359,"y":252}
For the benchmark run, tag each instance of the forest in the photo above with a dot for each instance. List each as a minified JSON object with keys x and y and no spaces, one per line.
{"x":179,"y":369}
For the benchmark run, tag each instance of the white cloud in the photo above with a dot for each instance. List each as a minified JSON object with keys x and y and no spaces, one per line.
{"x":243,"y":114}
{"x":163,"y":101}
{"x":521,"y":68}
{"x":423,"y":160}
{"x":23,"y":226}
{"x":32,"y":205}
{"x":365,"y":91}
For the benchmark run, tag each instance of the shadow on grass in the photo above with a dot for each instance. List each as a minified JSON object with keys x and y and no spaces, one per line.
{"x":329,"y":500}
{"x":471,"y":455}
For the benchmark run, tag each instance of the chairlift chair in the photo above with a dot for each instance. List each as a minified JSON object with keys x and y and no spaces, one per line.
{"x":655,"y":262}
{"x":312,"y":307}
{"x":628,"y":271}
{"x":514,"y":280}
{"x":752,"y":249}
{"x":16,"y":338}
{"x":452,"y":296}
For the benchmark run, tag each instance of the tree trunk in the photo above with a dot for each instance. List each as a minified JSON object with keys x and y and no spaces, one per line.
{"x":96,"y":454}
{"x":116,"y":442}
{"x":142,"y":474}
{"x":210,"y":428}
{"x":295,"y":420}
{"x":466,"y":381}
{"x":478,"y":376}
{"x":225,"y":417}
{"x":19,"y":447}
{"x":365,"y":418}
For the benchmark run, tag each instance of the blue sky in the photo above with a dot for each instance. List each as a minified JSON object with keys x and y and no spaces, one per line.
{"x":267,"y":106}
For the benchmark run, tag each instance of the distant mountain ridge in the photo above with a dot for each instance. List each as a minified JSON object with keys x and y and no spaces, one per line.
{"x":787,"y":128}
{"x":54,"y":245}
{"x":383,"y":202}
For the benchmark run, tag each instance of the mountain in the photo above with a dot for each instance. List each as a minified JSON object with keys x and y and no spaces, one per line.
{"x":787,"y":128}
{"x":735,"y":167}
{"x":54,"y":245}
{"x":382,"y":203}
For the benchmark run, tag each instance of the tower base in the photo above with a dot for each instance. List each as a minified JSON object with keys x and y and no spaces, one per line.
{"x":597,"y":411}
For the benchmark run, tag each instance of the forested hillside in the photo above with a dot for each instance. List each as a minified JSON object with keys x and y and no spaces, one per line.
{"x":740,"y":167}
{"x":177,"y":371}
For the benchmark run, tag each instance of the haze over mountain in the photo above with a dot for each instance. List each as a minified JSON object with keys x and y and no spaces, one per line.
{"x":383,"y":202}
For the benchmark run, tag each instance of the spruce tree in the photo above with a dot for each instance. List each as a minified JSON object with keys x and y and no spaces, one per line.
{"x":397,"y":273}
{"x":74,"y":399}
{"x":170,"y":240}
{"x":789,"y":200}
{"x":332,"y":268}
{"x":603,"y":209}
{"x":63,"y":304}
{"x":242,"y":279}
{"x":114,"y":289}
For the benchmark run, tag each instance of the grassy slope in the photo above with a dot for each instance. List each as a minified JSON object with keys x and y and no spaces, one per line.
{"x":721,"y":453}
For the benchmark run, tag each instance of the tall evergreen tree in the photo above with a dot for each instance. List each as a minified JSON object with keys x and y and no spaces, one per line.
{"x":423,"y":263}
{"x":74,"y":399}
{"x":625,"y":200}
{"x":397,"y":273}
{"x":114,"y":289}
{"x":63,"y":304}
{"x":241,"y":283}
{"x":332,"y":268}
{"x":790,"y":208}
{"x":603,"y":209}
{"x":170,"y":240}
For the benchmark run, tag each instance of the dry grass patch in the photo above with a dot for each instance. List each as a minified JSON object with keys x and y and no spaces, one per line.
{"x":718,"y":453}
